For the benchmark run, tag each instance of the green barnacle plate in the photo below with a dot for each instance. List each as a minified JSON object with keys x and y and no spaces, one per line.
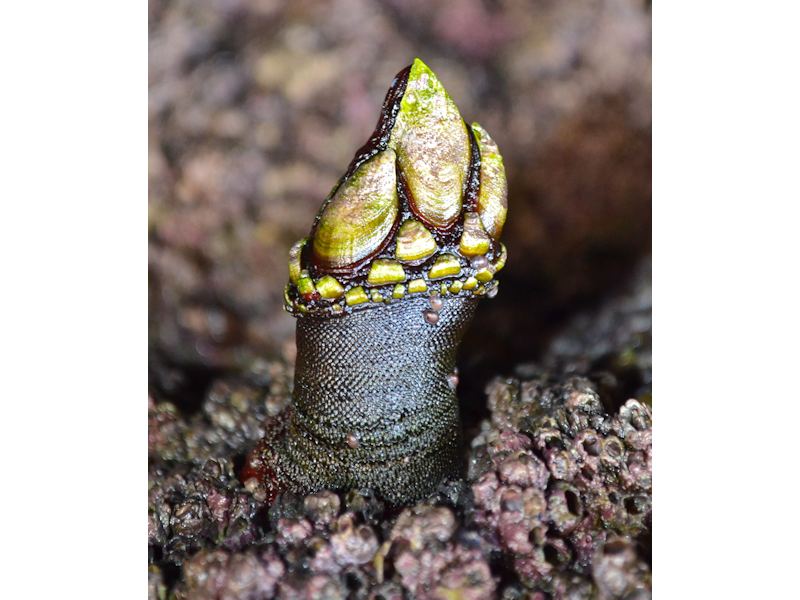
{"x":287,"y":301}
{"x":416,"y":286}
{"x":484,"y":275}
{"x":445,"y":265}
{"x":329,"y":288}
{"x":305,"y":285}
{"x":501,"y":260}
{"x":356,"y":295}
{"x":493,"y":195}
{"x":359,"y":217}
{"x":432,"y":146}
{"x":474,"y":240}
{"x":399,"y":291}
{"x":414,"y":242}
{"x":385,"y":271}
{"x":294,"y":260}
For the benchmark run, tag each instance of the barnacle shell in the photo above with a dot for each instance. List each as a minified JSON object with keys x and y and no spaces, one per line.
{"x":485,"y":274}
{"x":414,"y":242}
{"x":417,"y":285}
{"x":501,"y":260}
{"x":474,"y":240}
{"x":294,"y":260}
{"x":359,"y":217}
{"x":356,"y":295}
{"x":385,"y":271}
{"x":470,"y":283}
{"x":445,"y":265}
{"x":329,"y":288}
{"x":305,"y":285}
{"x":493,"y":195}
{"x":432,"y":146}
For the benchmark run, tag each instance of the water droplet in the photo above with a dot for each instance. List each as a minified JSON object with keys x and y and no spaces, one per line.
{"x":431,"y":317}
{"x":479,"y":262}
{"x":452,"y":381}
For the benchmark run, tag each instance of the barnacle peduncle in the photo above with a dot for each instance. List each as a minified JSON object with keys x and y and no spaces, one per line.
{"x":385,"y":286}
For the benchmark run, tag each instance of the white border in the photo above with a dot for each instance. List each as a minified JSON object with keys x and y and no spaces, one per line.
{"x":726,"y":299}
{"x":73,"y":191}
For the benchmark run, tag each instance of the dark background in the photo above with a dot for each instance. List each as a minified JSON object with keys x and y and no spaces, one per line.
{"x":256,"y":108}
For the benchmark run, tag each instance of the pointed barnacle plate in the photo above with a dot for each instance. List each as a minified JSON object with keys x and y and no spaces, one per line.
{"x":493,"y":196}
{"x":432,"y":146}
{"x":295,"y":266}
{"x":414,"y":242}
{"x":474,"y":240}
{"x":358,"y":219}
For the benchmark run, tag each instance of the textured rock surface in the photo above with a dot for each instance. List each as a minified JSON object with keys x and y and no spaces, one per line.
{"x":556,"y":501}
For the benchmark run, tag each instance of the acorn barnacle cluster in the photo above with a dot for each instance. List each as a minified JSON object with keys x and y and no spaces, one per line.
{"x":419,"y":211}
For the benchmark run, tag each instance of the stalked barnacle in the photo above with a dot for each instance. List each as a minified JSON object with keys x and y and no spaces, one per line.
{"x":384,"y":287}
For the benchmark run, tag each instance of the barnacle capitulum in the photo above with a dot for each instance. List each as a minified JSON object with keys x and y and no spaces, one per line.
{"x":384,"y":288}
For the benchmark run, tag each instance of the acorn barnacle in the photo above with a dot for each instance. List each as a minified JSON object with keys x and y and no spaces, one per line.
{"x":384,"y":286}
